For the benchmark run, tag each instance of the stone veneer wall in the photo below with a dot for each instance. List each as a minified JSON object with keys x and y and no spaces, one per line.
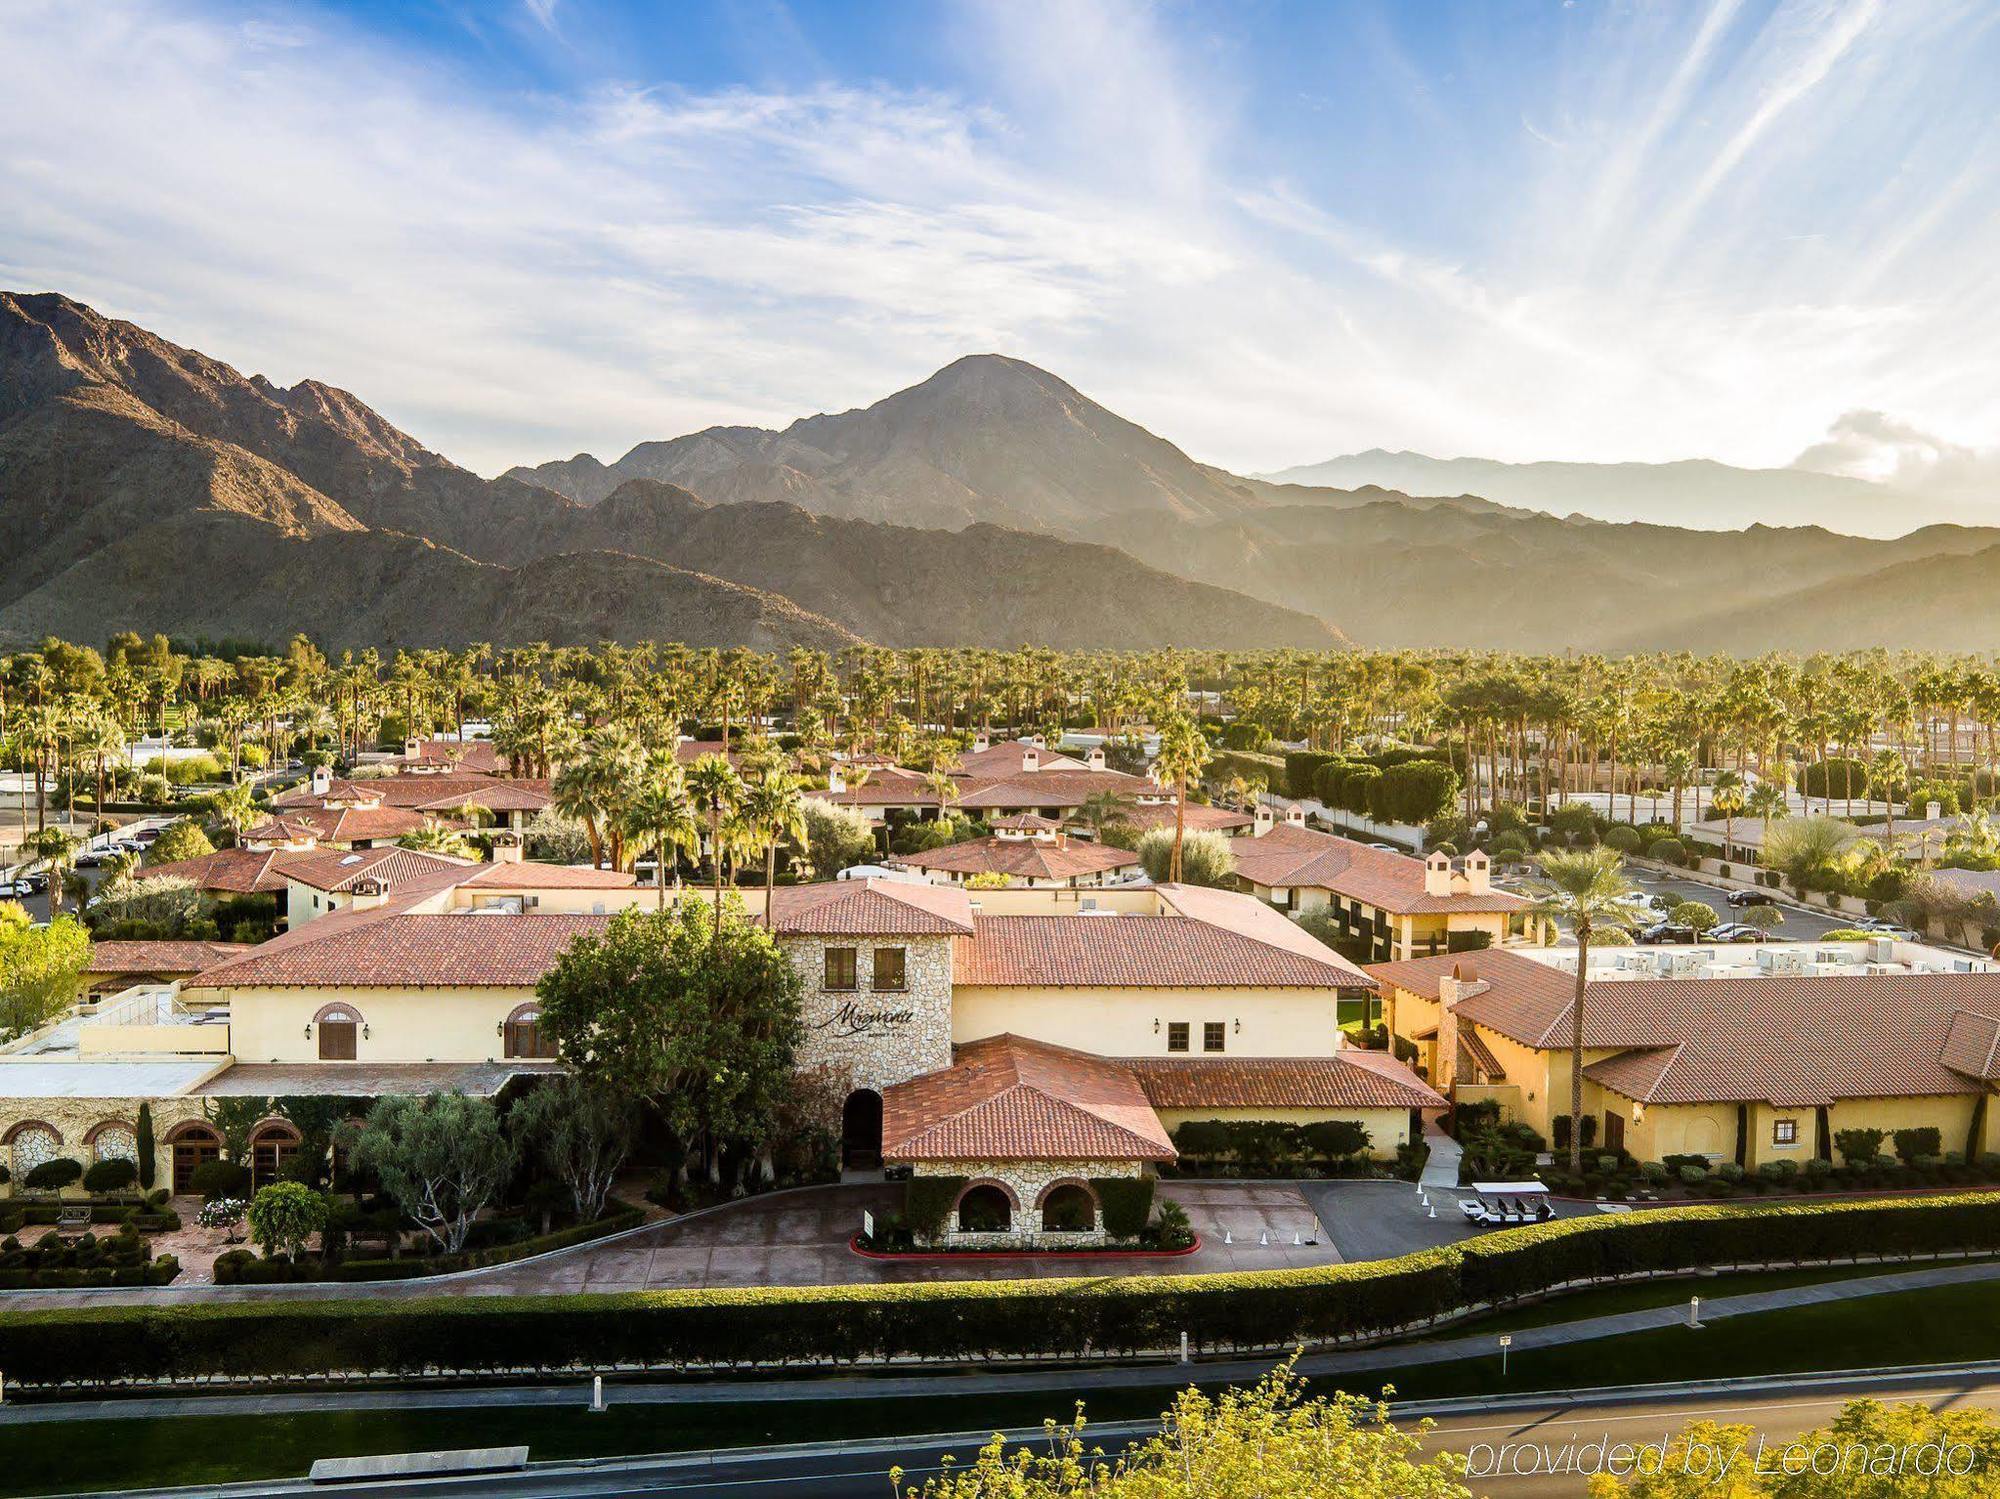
{"x":73,"y":1118}
{"x":840,"y":1029}
{"x":1028,"y":1180}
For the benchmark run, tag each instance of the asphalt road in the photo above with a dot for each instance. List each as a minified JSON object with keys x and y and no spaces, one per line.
{"x":1799,"y":925}
{"x":1510,"y":1452}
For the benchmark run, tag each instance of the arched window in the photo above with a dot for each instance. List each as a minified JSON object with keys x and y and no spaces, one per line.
{"x":1068,"y":1207}
{"x":113,"y":1140}
{"x":523,"y":1034}
{"x":33,"y":1142}
{"x":985,"y":1208}
{"x":339,"y":1028}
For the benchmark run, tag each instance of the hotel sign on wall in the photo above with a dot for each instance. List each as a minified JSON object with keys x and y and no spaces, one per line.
{"x":852,"y":1019}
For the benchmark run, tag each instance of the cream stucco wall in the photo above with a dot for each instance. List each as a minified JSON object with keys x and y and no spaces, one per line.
{"x":445,"y":1024}
{"x":1120,"y":1022}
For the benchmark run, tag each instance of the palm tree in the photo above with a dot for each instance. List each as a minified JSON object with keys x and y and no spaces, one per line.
{"x":235,"y":806}
{"x":661,"y":817}
{"x":1886,"y":774}
{"x":1588,"y":889}
{"x":56,"y":848}
{"x":1726,"y":795}
{"x":1183,"y":753}
{"x":1100,"y":810}
{"x":773,"y":810}
{"x":716,"y":788}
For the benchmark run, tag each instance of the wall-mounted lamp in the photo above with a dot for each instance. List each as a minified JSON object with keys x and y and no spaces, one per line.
{"x":364,"y":1030}
{"x":309,"y":1030}
{"x":1239,"y":1025}
{"x":1156,"y":1025}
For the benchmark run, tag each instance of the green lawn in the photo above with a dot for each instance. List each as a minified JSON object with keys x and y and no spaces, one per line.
{"x":1910,"y":1327}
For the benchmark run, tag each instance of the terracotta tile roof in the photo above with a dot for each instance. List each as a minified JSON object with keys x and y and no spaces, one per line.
{"x":1795,"y":1040}
{"x":234,"y":871}
{"x":863,"y":908}
{"x":1007,"y":757}
{"x":1047,"y":788}
{"x":370,"y":949}
{"x":1291,"y":857}
{"x":338,"y":824}
{"x":404,"y":869}
{"x":1477,"y":1055}
{"x":1134,"y":950}
{"x":159,"y":957}
{"x":423,"y":789}
{"x":1020,"y":858}
{"x":470,"y":756}
{"x":1025,"y":822}
{"x":529,"y":875}
{"x":1350,"y":1079}
{"x":1201,"y":817}
{"x":1009,"y":1098}
{"x":1972,"y":1045}
{"x":1252,"y":918}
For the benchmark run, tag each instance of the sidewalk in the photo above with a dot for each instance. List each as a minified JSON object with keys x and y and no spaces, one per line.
{"x":713,"y":1391}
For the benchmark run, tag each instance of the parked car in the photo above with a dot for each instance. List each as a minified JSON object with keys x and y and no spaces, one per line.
{"x":15,"y":889}
{"x":146,"y":836}
{"x":1752,"y":898}
{"x":1665,"y":931}
{"x":36,"y":882}
{"x":90,"y":858}
{"x":1877,"y":926}
{"x":1737,"y":931}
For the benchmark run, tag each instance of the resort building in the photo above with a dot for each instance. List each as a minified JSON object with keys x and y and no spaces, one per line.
{"x":941,"y":1013}
{"x":1025,"y":850}
{"x":1751,"y":1054}
{"x":1391,"y":904}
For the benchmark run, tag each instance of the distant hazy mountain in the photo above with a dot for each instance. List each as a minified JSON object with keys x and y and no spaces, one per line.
{"x":1695,"y":492}
{"x":984,"y":439}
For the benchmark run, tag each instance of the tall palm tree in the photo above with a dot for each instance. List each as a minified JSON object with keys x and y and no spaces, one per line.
{"x":716,"y":789}
{"x":1183,"y":754}
{"x":1588,"y":889}
{"x":773,"y":811}
{"x":661,"y":817}
{"x":58,"y":850}
{"x":1886,"y":775}
{"x":1726,"y":795}
{"x":235,"y":806}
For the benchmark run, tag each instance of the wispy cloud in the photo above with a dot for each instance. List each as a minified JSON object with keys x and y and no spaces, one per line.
{"x":1685,"y":232}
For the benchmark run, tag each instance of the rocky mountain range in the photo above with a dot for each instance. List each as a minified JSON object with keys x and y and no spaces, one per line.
{"x":144,"y":485}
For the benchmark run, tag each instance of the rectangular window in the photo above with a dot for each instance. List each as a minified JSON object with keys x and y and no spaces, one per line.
{"x":840,"y":968}
{"x":1212,"y":1035}
{"x":1784,"y":1132}
{"x":1177,"y":1035}
{"x":890,"y":968}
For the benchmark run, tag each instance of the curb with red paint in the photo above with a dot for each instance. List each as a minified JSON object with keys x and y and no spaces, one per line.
{"x":854,"y":1245}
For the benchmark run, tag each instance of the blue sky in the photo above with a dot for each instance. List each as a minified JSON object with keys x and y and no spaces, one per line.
{"x":1270,"y":232}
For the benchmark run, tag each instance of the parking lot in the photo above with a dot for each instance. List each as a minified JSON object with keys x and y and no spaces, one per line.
{"x":38,"y":902}
{"x":1799,"y":925}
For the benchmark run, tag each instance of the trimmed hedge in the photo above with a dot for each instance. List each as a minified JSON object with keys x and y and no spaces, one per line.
{"x":242,"y":1267}
{"x":1127,"y":1202}
{"x":960,"y":1320}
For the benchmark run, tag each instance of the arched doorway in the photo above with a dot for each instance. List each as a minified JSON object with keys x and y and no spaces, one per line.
{"x":194,"y":1145}
{"x":273,"y":1144}
{"x":985,"y":1208}
{"x":861,"y":1131}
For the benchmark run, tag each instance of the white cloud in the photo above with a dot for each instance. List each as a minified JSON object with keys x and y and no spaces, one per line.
{"x":518,"y":277}
{"x":1873,"y":445}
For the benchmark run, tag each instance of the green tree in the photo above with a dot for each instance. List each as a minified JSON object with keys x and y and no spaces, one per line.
{"x":1807,"y":850}
{"x":1207,"y":858}
{"x":1726,"y":796}
{"x":40,"y":968}
{"x":57,"y":851}
{"x":701,"y":1025}
{"x":1698,"y":914}
{"x":661,"y":818}
{"x":441,"y":1159}
{"x":1586,"y":888}
{"x":773,"y":812}
{"x":579,"y":1132}
{"x":284,"y":1215}
{"x":716,"y":789}
{"x":146,"y":1146}
{"x":837,"y":837}
{"x":180,"y":839}
{"x":1269,"y":1440}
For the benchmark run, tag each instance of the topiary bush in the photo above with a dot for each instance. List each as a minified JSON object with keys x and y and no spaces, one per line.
{"x":53,"y":1175}
{"x":110,"y":1176}
{"x":1914,"y":1143}
{"x":1621,"y":836}
{"x":1127,"y":1204}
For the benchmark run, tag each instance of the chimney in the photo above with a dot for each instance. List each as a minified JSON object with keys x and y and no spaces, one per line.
{"x":322,"y":780}
{"x":1095,"y":759}
{"x":1262,"y":822}
{"x":1478,"y":872}
{"x":412,"y":748}
{"x":1031,"y":759}
{"x":369,"y":891}
{"x":1437,"y":874}
{"x":835,"y":781}
{"x":1460,"y":984}
{"x":506,"y":848}
{"x":1933,"y":811}
{"x":1295,"y":816}
{"x":981,"y":742}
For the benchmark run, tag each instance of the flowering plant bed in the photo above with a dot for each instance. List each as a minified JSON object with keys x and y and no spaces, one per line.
{"x":1082,"y":1251}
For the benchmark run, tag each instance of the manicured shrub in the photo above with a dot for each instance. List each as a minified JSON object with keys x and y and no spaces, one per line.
{"x":1667,"y":850}
{"x":1859,"y":1147}
{"x":114,"y":1175}
{"x":148,"y":1150}
{"x":1911,"y":1144}
{"x":1300,"y":768}
{"x":927,"y":1203}
{"x":1127,"y":1203}
{"x":1621,"y":836}
{"x":53,"y":1175}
